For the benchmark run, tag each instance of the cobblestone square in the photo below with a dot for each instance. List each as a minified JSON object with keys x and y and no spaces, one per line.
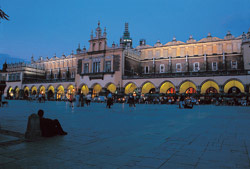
{"x":147,"y":136}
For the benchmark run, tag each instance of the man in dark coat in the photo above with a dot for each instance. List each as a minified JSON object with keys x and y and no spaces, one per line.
{"x":50,"y":127}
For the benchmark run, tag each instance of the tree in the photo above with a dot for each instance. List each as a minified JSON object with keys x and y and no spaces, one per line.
{"x":3,"y":16}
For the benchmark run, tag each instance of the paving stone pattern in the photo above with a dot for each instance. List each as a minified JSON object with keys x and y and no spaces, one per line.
{"x":148,"y":136}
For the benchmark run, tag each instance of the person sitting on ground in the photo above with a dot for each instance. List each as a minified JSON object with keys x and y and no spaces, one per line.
{"x":50,"y":127}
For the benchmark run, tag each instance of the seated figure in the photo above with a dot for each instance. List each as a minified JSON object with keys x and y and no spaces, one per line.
{"x":50,"y":127}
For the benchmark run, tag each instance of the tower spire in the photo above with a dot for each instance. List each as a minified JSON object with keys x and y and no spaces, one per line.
{"x":126,"y":40}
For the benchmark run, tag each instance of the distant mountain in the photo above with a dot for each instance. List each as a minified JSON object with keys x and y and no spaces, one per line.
{"x":5,"y":57}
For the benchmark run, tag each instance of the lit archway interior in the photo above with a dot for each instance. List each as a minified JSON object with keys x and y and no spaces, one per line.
{"x":42,"y":90}
{"x":211,"y":85}
{"x":187,"y":86}
{"x":51,"y":88}
{"x":17,"y":92}
{"x":211,"y":90}
{"x":11,"y":92}
{"x":96,"y":90}
{"x":26,"y":91}
{"x":85,"y":90}
{"x":147,"y":87}
{"x":51,"y":91}
{"x":130,"y":88}
{"x":60,"y":92}
{"x":70,"y":91}
{"x":234,"y":83}
{"x":170,"y":90}
{"x":190,"y":90}
{"x":167,"y":87}
{"x":111,"y":88}
{"x":34,"y":90}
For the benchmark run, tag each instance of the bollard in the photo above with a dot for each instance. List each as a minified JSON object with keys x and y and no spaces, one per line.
{"x":33,"y":131}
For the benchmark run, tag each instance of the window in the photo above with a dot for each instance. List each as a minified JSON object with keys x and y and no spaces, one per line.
{"x":196,"y":66}
{"x":10,"y":77}
{"x":72,"y":74}
{"x":234,"y":64}
{"x":96,"y":67}
{"x":150,"y":53}
{"x":65,"y":63}
{"x":157,"y":53}
{"x":108,"y":66}
{"x":86,"y":68}
{"x":178,"y":67}
{"x":162,"y":68}
{"x":55,"y":76}
{"x":64,"y":75}
{"x":146,"y":69}
{"x":18,"y":76}
{"x":214,"y":66}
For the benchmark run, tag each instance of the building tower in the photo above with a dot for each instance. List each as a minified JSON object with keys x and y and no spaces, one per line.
{"x":126,"y":41}
{"x":99,"y":42}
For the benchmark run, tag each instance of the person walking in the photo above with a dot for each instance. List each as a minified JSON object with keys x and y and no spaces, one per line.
{"x":71,"y":100}
{"x":109,"y":101}
{"x":88,"y":100}
{"x":82,"y":99}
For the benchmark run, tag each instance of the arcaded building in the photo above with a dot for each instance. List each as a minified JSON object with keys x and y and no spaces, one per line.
{"x":209,"y":65}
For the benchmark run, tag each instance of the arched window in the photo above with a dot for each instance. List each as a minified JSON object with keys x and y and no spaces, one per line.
{"x":93,"y":48}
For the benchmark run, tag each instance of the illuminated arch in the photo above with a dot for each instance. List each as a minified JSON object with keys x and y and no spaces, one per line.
{"x":111,"y":87}
{"x":51,"y":92}
{"x":51,"y":88}
{"x":187,"y":85}
{"x":70,"y":91}
{"x":26,"y":91}
{"x":234,"y":83}
{"x":209,"y":84}
{"x":42,"y":90}
{"x":16,"y":92}
{"x":130,"y":88}
{"x":34,"y":90}
{"x":166,"y":86}
{"x":10,"y":91}
{"x":147,"y":87}
{"x":96,"y":90}
{"x":84,"y":89}
{"x":60,"y":92}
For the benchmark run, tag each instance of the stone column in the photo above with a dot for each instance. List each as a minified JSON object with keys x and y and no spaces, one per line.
{"x":55,"y":94}
{"x":198,"y":89}
{"x":65,"y":92}
{"x":247,"y":88}
{"x":30,"y":93}
{"x":221,"y":88}
{"x":46,"y":94}
{"x":157,"y":90}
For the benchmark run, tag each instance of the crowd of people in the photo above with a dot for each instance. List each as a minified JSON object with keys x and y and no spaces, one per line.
{"x":132,"y":99}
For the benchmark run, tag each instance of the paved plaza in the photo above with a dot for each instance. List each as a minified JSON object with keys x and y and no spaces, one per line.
{"x":148,"y":136}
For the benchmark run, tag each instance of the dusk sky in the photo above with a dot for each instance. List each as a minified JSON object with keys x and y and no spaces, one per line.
{"x":46,"y":27}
